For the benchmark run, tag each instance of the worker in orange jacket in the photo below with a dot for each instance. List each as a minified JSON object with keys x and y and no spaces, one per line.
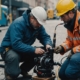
{"x":70,"y":69}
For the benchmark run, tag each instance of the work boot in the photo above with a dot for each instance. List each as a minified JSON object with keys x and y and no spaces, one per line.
{"x":7,"y":77}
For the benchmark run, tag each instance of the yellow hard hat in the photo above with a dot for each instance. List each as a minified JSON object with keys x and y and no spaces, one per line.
{"x":64,"y":6}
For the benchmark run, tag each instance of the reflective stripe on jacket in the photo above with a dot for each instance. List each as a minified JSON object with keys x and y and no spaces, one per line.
{"x":73,"y":39}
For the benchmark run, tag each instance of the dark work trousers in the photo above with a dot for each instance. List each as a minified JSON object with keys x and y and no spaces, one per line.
{"x":70,"y":69}
{"x":12,"y":60}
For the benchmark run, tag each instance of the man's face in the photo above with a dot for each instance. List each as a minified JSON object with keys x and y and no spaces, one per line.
{"x":34,"y":22}
{"x":66,"y":17}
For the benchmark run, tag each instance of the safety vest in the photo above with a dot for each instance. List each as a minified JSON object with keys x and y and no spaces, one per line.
{"x":73,"y":39}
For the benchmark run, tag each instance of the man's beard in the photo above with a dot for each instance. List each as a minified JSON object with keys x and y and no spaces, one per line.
{"x":69,"y":25}
{"x":34,"y":27}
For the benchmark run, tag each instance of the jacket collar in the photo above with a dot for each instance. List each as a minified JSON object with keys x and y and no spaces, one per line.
{"x":77,"y":25}
{"x":26,"y":16}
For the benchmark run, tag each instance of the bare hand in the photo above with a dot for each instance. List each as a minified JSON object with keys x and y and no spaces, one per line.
{"x":48,"y":46}
{"x":39,"y":51}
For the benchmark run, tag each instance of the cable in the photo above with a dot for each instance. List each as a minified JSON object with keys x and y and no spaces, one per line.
{"x":54,"y":36}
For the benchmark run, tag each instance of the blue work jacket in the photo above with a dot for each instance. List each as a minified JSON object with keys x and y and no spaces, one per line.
{"x":21,"y":35}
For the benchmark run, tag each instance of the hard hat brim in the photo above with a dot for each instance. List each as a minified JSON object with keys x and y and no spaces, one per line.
{"x":42,"y":23}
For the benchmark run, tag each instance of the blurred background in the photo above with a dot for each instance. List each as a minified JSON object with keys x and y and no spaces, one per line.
{"x":11,"y":9}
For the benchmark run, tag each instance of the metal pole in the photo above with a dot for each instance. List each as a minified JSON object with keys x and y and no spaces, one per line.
{"x":10,"y":5}
{"x":0,"y":10}
{"x":10,"y":13}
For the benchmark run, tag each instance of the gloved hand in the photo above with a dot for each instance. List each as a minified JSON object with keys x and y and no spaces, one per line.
{"x":70,"y":54}
{"x":58,"y":49}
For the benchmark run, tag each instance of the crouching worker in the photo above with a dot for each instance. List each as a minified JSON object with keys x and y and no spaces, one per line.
{"x":70,"y":69}
{"x":18,"y":41}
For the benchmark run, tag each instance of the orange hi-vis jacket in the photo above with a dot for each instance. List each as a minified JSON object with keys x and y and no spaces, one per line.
{"x":73,"y":39}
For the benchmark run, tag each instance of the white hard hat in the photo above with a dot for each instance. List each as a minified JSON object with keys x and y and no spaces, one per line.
{"x":40,"y":14}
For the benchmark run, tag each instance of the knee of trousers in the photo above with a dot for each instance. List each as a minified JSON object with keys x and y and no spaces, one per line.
{"x":69,"y":74}
{"x":12,"y":65}
{"x":61,"y":75}
{"x":14,"y":74}
{"x":12,"y":58}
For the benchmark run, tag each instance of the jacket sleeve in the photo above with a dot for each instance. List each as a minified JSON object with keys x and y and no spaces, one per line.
{"x":43,"y":37}
{"x":16,"y":36}
{"x":67,"y":45}
{"x":76,"y":49}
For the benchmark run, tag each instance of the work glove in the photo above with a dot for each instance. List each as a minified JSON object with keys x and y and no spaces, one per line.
{"x":70,"y":54}
{"x":58,"y":49}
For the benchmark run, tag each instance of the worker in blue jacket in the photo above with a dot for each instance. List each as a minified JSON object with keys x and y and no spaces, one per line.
{"x":18,"y":40}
